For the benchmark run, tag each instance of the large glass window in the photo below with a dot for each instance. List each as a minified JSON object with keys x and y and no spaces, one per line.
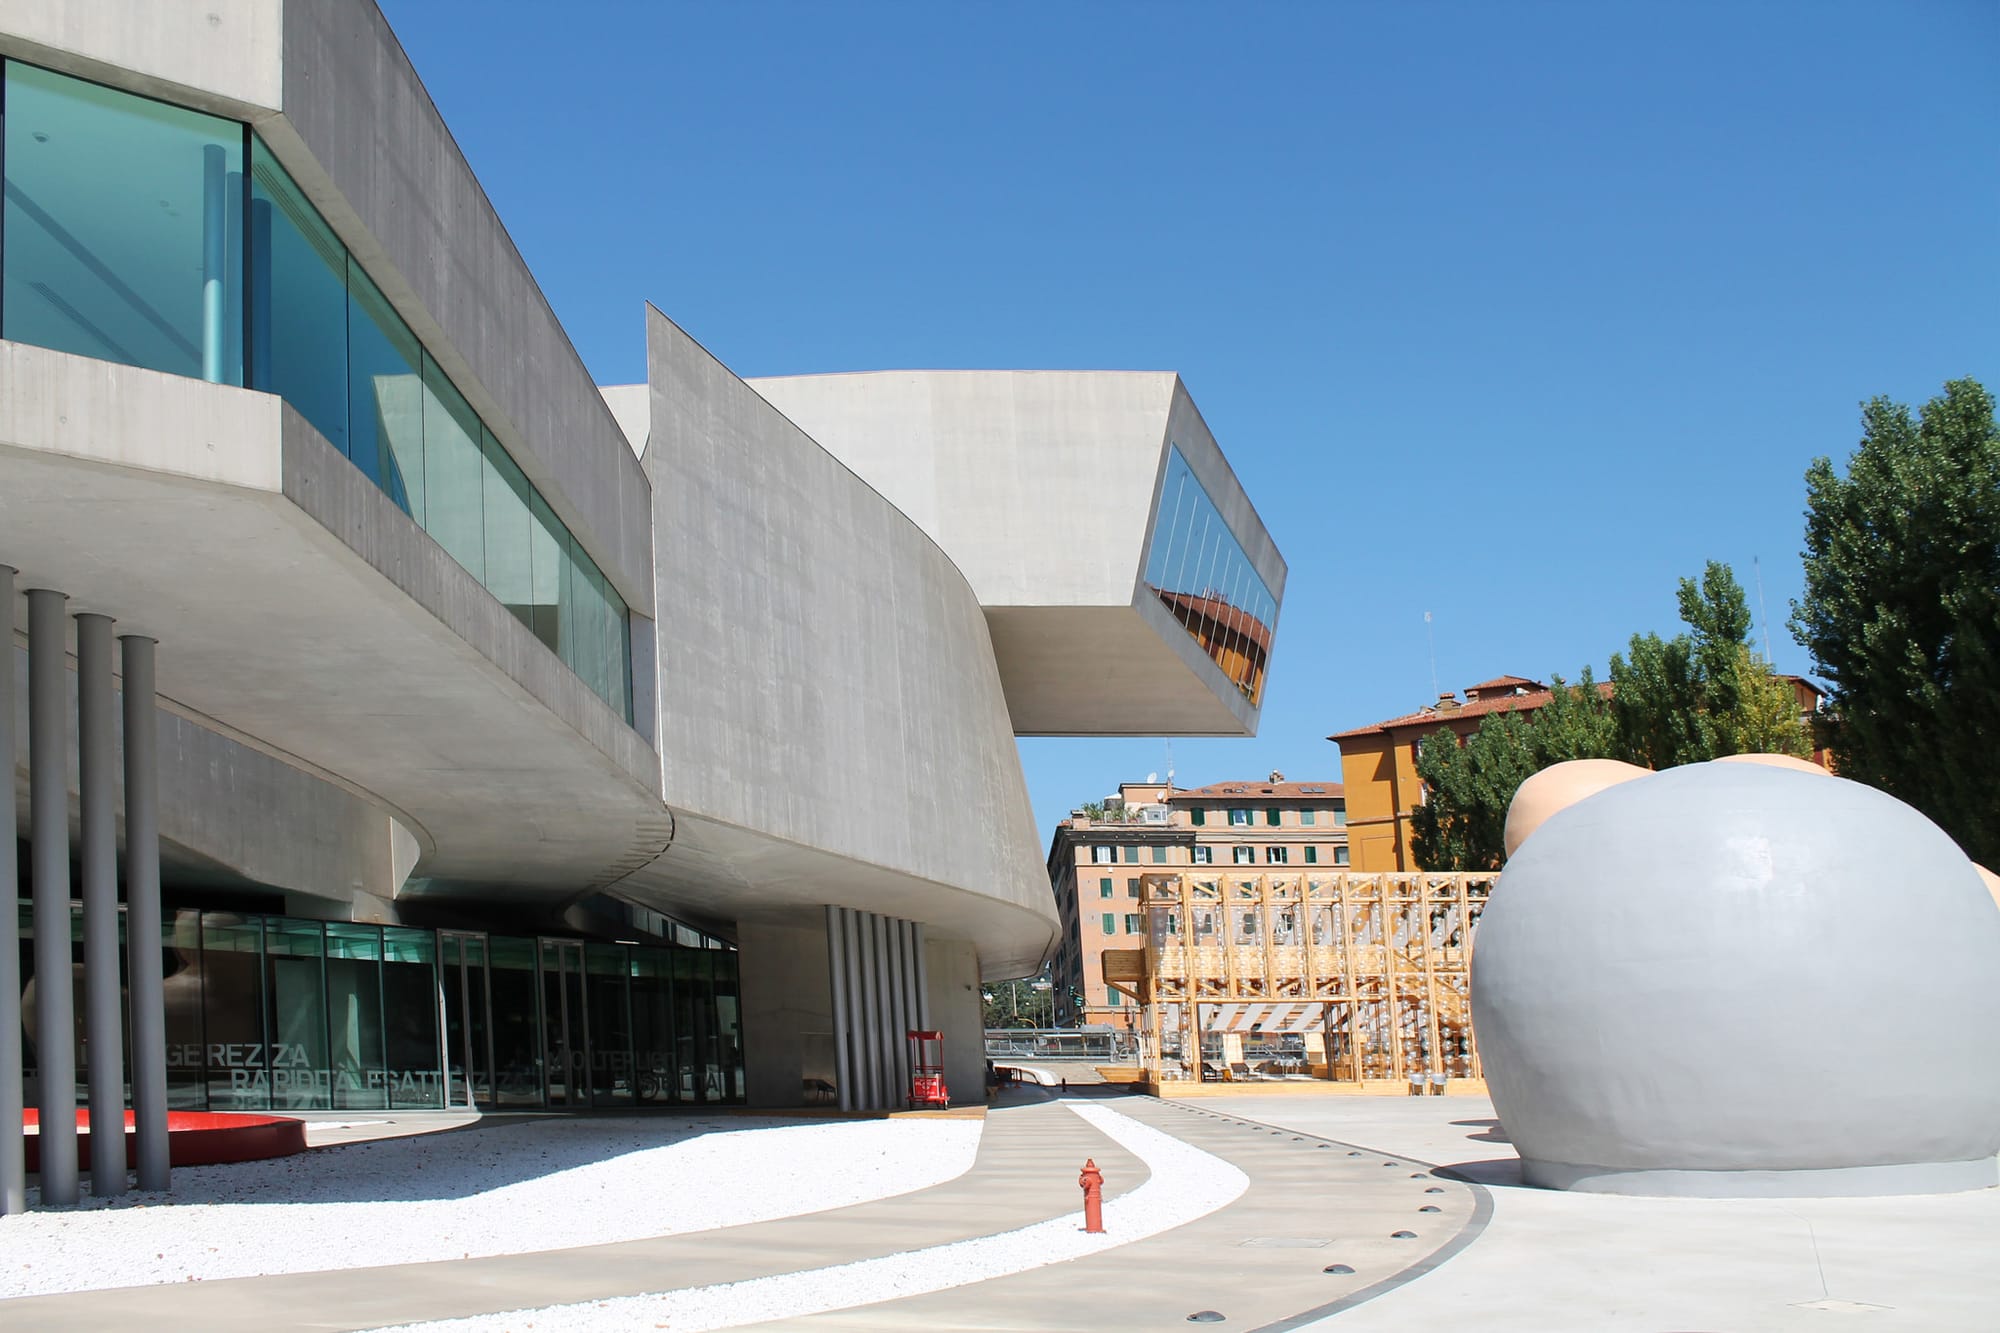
{"x":410,"y":1009}
{"x":454,"y":473}
{"x":1198,"y":570}
{"x":299,"y":284}
{"x":130,"y":233}
{"x":354,"y":1016}
{"x":123,"y":227}
{"x":295,"y":992}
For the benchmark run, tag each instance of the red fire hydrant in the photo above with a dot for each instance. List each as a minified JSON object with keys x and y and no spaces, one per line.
{"x":1092,"y":1181}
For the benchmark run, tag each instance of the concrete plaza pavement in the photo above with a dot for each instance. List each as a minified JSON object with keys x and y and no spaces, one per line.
{"x":1550,"y":1260}
{"x":1260,"y":1258}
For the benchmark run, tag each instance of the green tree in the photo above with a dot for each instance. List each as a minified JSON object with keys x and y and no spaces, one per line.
{"x":1702,"y":694}
{"x":1576,"y":723}
{"x":1467,"y":787}
{"x":1901,"y":611}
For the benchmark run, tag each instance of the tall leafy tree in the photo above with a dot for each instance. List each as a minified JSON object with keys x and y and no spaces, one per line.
{"x":1901,"y":611}
{"x":1702,"y":694}
{"x":1467,"y":787}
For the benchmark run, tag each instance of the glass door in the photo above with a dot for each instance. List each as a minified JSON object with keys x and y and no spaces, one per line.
{"x":468,"y":1020}
{"x":565,"y":1031}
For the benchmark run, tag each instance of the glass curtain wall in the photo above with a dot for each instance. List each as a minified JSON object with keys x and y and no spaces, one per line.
{"x":288,"y":1014}
{"x":139,"y":232}
{"x":1198,"y":570}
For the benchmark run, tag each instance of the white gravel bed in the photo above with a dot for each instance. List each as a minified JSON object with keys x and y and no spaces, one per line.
{"x":508,"y":1189}
{"x":1185,"y":1183}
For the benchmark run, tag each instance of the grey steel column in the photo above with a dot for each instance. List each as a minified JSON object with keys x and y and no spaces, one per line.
{"x":836,"y":971}
{"x":13,"y":1159}
{"x":892,"y":1012}
{"x":923,"y":978}
{"x":857,"y":1063}
{"x":899,"y":953}
{"x":48,"y":828}
{"x":871,"y":1011}
{"x":142,"y":914}
{"x":104,"y":1006}
{"x":884,"y":1019}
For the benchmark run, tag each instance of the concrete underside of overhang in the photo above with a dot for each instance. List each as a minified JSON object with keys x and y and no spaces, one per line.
{"x":1111,"y":671}
{"x":717,"y":870}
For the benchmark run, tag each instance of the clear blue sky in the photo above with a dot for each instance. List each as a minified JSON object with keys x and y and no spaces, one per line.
{"x":1510,"y":313}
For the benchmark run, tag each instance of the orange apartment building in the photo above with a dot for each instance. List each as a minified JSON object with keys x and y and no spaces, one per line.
{"x":1095,"y":864}
{"x":1378,"y":762}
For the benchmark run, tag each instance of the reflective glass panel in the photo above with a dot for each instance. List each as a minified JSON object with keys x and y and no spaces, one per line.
{"x":410,"y":1006}
{"x":516,"y":1023}
{"x":122,"y":224}
{"x":295,"y":991}
{"x":611,"y":1080}
{"x":233,"y":1013}
{"x":548,"y":543}
{"x":658,"y":1081}
{"x":1201,"y":574}
{"x":454,"y":473}
{"x":181,"y":940}
{"x":298,"y":292}
{"x":385,"y":397}
{"x":354,"y":1016}
{"x":509,"y":532}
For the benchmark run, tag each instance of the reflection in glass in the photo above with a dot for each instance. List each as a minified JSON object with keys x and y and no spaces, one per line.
{"x":385,"y":412}
{"x":233,"y":1013}
{"x":410,"y":1012}
{"x":454,"y":473}
{"x":516,"y":1022}
{"x":354,"y":1016}
{"x":121,"y":223}
{"x":510,"y":574}
{"x":298,"y":282}
{"x":610,"y":1026}
{"x":295,"y":990}
{"x":1200,"y":573}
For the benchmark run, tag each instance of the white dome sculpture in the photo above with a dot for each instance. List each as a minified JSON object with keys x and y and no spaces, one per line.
{"x":1735,"y":979}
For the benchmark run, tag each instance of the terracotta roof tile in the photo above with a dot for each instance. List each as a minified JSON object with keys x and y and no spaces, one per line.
{"x":1286,"y":791}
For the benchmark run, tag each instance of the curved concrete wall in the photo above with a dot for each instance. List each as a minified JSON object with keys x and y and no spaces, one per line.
{"x":828,"y":692}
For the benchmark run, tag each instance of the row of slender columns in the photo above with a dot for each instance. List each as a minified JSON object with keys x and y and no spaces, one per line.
{"x":879,"y":977}
{"x":104,"y":1006}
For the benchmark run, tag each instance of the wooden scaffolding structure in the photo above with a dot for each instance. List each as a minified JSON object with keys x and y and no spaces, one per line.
{"x":1357,"y":979}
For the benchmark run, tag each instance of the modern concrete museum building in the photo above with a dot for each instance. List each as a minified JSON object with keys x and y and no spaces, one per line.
{"x":517,"y":741}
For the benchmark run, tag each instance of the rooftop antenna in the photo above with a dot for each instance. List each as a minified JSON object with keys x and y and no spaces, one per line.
{"x":1170,"y":767}
{"x":1431,"y":635}
{"x":1757,"y":571}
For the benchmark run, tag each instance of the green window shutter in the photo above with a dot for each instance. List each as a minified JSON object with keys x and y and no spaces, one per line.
{"x":1159,"y":855}
{"x":1312,"y":856}
{"x":1271,"y":817}
{"x":1198,"y":816}
{"x":1110,"y":924}
{"x":1105,"y":885}
{"x":1131,"y":856}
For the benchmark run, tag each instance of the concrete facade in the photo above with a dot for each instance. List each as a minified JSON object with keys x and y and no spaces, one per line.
{"x":825,"y":686}
{"x":1043,"y":487}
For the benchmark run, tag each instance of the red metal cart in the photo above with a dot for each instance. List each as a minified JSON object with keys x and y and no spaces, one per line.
{"x":927,"y":1070}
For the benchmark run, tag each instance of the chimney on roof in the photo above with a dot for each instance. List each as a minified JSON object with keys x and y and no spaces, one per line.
{"x":1276,"y":776}
{"x":1447,"y":702}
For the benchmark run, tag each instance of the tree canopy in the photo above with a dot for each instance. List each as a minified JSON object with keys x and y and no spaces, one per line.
{"x":1901,"y":611}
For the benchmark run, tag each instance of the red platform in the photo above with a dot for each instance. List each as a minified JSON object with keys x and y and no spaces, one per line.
{"x":194,"y":1138}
